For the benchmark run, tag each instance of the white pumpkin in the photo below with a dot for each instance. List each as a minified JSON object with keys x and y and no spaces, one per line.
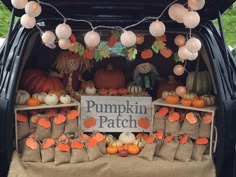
{"x":65,"y":99}
{"x":135,"y":89}
{"x":140,"y":143}
{"x":40,"y":96}
{"x":189,"y":95}
{"x":109,"y":138}
{"x":22,"y":96}
{"x":127,"y":138}
{"x":210,"y":100}
{"x":116,"y":143}
{"x":90,"y":90}
{"x":165,"y":93}
{"x":51,"y":99}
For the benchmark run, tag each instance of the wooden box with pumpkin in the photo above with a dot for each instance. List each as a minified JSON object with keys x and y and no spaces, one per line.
{"x":196,"y":123}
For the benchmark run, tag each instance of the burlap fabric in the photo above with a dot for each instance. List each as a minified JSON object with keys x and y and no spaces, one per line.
{"x":204,"y":130}
{"x":148,"y":151}
{"x":21,"y":145}
{"x":190,"y":129}
{"x":61,"y":157}
{"x":94,"y":153}
{"x":57,"y":130}
{"x":48,"y":154}
{"x":31,"y":155}
{"x":78,"y":156}
{"x":158,"y":146}
{"x":168,"y":150}
{"x":114,"y":166}
{"x":23,"y":129}
{"x":71,"y":126}
{"x":159,"y":123}
{"x":33,"y":125}
{"x":102,"y":147}
{"x":172,"y":128}
{"x":184,"y":151}
{"x":42,"y":132}
{"x":198,"y":151}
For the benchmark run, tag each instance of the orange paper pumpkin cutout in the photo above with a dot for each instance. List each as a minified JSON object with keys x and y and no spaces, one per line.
{"x":44,"y":123}
{"x":183,"y":140}
{"x":90,"y":122}
{"x":162,"y":112}
{"x":59,"y":119}
{"x":73,"y":114}
{"x":30,"y":142}
{"x":143,"y":123}
{"x":150,"y":140}
{"x":92,"y":142}
{"x":48,"y":143}
{"x":146,"y":54}
{"x":192,"y":119}
{"x":202,"y":141}
{"x":168,"y":138}
{"x":51,"y":112}
{"x":21,"y":117}
{"x":159,"y":135}
{"x":64,"y":139}
{"x":63,"y":147}
{"x":77,"y":145}
{"x":174,"y":117}
{"x":207,"y":119}
{"x":99,"y":137}
{"x":143,"y":136}
{"x":34,"y":118}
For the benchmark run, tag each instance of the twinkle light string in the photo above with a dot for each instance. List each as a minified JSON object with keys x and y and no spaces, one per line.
{"x":188,"y":48}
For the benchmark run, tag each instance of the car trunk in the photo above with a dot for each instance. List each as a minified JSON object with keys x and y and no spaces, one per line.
{"x":27,"y":51}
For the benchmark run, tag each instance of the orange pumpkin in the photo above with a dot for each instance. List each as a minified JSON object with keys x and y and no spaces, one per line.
{"x":133,"y":149}
{"x":88,"y":54}
{"x":143,"y":136}
{"x":103,"y":92}
{"x":172,"y":99}
{"x":186,"y":102}
{"x":113,"y":91}
{"x":123,"y":91}
{"x":112,"y":150}
{"x":199,"y":103}
{"x":139,"y":39}
{"x":58,"y":92}
{"x":33,"y":102}
{"x":146,"y":54}
{"x":166,"y":52}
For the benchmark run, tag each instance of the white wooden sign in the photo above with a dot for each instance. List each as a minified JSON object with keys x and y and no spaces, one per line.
{"x":116,"y":113}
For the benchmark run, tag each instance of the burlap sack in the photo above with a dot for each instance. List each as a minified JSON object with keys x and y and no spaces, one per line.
{"x":158,"y":146}
{"x":102,"y":147}
{"x":48,"y":154}
{"x":148,"y":151}
{"x":172,"y":128}
{"x":204,"y":130}
{"x":21,"y":145}
{"x":198,"y":151}
{"x":168,"y":150}
{"x":190,"y":129}
{"x":94,"y":153}
{"x":57,"y":130}
{"x":31,"y":155}
{"x":71,"y":126}
{"x":159,"y":123}
{"x":23,"y":129}
{"x":78,"y":156}
{"x":184,"y":151}
{"x":33,"y":126}
{"x":42,"y":132}
{"x":61,"y":157}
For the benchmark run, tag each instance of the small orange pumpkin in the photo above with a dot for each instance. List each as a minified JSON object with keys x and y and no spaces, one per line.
{"x":186,"y":102}
{"x":57,"y":92}
{"x":172,"y":98}
{"x":166,"y":52}
{"x":103,"y":92}
{"x":33,"y":102}
{"x":139,"y":39}
{"x":112,"y":150}
{"x":143,"y":136}
{"x":123,"y":91}
{"x":146,"y":54}
{"x":133,"y":149}
{"x":113,"y":91}
{"x":199,"y":103}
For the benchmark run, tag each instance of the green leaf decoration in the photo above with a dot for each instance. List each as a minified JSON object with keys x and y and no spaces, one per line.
{"x":124,"y":52}
{"x":132,"y":52}
{"x":117,"y":34}
{"x":177,"y":59}
{"x":80,"y":49}
{"x":157,"y":45}
{"x":104,"y":52}
{"x":97,"y":56}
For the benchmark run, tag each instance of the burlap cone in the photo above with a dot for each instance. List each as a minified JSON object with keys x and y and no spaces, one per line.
{"x":204,"y":130}
{"x":168,"y":150}
{"x":158,"y":147}
{"x":57,"y":130}
{"x":33,"y":126}
{"x":42,"y":132}
{"x":23,"y":129}
{"x":61,"y":157}
{"x":94,"y":153}
{"x":71,"y":126}
{"x":21,"y":145}
{"x":159,"y":123}
{"x":198,"y":151}
{"x":172,"y":128}
{"x":31,"y":155}
{"x":184,"y":151}
{"x":48,"y":154}
{"x":190,"y":129}
{"x":78,"y":156}
{"x":148,"y":151}
{"x":102,"y":147}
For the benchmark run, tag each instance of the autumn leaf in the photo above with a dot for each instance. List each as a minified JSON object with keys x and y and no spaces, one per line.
{"x":124,"y":52}
{"x":177,"y":59}
{"x":97,"y":55}
{"x":132,"y":52}
{"x":80,"y":49}
{"x":117,"y":34}
{"x":157,"y":45}
{"x":104,"y":52}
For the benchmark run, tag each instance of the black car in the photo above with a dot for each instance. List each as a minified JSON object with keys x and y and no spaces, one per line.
{"x":24,"y":49}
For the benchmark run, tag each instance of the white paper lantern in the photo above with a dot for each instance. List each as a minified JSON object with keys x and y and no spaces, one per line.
{"x":184,"y":53}
{"x":178,"y":70}
{"x":19,"y":4}
{"x":64,"y":44}
{"x":177,"y":12}
{"x":157,"y":28}
{"x":196,"y":4}
{"x":48,"y":37}
{"x":128,"y":38}
{"x":27,"y":21}
{"x":33,"y":9}
{"x":180,"y":90}
{"x":180,"y":40}
{"x":191,"y":19}
{"x":193,"y":56}
{"x":92,"y":39}
{"x":63,"y":31}
{"x":193,"y":45}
